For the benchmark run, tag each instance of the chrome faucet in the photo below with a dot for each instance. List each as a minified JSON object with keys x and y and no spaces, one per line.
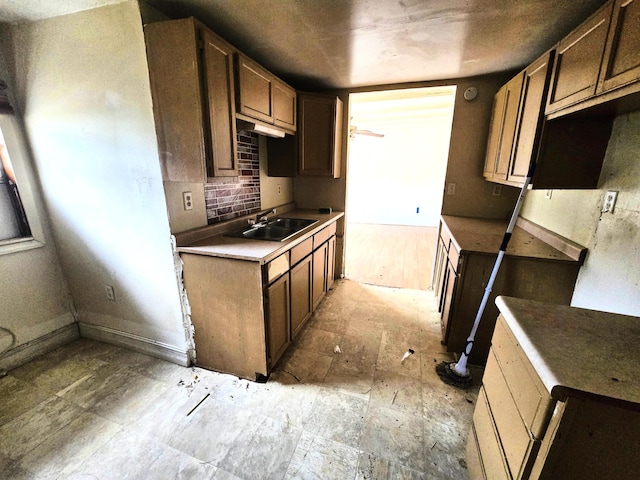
{"x":261,"y":218}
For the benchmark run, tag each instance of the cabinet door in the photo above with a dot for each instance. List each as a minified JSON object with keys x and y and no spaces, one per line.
{"x":172,"y":55}
{"x":577,"y":65}
{"x":220,"y":104}
{"x":503,"y":128}
{"x":331,"y":259}
{"x":495,"y":133}
{"x":621,"y":64}
{"x":284,"y":106}
{"x":301,"y":284}
{"x":254,"y":90}
{"x":320,"y":135}
{"x":530,"y":118}
{"x":511,"y":107}
{"x":319,"y":273}
{"x":278,"y":326}
{"x":446,"y":299}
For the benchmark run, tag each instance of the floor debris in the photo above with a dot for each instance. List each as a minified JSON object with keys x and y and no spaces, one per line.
{"x":407,"y":354}
{"x":198,"y":404}
{"x":337,"y":349}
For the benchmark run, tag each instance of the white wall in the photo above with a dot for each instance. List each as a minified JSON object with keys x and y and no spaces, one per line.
{"x":610,"y":277}
{"x":34,"y":300}
{"x":398,"y":179}
{"x":83,"y":86}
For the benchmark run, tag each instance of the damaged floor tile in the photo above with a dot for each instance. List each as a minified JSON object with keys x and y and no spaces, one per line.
{"x":372,"y":408}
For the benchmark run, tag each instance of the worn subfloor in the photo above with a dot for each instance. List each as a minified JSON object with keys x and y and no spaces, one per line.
{"x":94,"y":411}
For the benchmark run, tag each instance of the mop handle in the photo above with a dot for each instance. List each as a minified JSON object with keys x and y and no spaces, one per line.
{"x":461,"y":366}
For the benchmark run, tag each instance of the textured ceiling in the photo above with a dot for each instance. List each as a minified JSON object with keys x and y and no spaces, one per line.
{"x":354,"y":43}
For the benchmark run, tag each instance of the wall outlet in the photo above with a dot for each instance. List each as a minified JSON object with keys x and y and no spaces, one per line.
{"x":279,"y":189}
{"x":497,"y":190}
{"x":609,"y":201}
{"x":110,"y":293}
{"x":187,"y":200}
{"x":451,"y":189}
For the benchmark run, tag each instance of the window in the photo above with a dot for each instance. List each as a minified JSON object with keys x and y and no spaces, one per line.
{"x":13,"y":219}
{"x":20,"y":227}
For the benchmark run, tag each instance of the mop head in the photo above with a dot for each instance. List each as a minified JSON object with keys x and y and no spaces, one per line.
{"x":449,"y":376}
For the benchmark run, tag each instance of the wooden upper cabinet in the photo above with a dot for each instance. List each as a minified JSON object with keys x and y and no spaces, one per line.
{"x":621,"y":63}
{"x":535,"y":82}
{"x":503,"y":127}
{"x":192,"y":90}
{"x":219,"y":86}
{"x":578,"y":58}
{"x":495,"y":133}
{"x":172,"y":55}
{"x":284,"y":106}
{"x":254,"y":96}
{"x":511,"y":105}
{"x":319,"y":135}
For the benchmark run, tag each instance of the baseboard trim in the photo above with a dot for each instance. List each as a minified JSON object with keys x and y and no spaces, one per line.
{"x":26,"y":352}
{"x":135,"y":342}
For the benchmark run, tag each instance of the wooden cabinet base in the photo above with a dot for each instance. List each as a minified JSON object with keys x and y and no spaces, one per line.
{"x":227,"y":312}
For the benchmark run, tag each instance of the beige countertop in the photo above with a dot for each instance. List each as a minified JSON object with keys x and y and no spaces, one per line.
{"x":577,"y":351}
{"x":484,"y":236}
{"x":210,"y":241}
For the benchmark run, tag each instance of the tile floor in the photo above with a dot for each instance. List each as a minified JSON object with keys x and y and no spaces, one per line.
{"x":94,"y":411}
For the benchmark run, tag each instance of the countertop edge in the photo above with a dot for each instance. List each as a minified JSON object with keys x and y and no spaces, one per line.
{"x":561,"y":375}
{"x":268,"y":250}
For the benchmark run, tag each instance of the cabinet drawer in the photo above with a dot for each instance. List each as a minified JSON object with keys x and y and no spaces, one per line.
{"x":277,"y":267}
{"x":321,"y":237}
{"x":493,"y":462}
{"x":526,"y":388}
{"x":513,"y":433}
{"x":332,"y":229}
{"x":301,"y":250}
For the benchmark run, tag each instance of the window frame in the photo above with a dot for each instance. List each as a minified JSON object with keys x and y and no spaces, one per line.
{"x":27,"y":185}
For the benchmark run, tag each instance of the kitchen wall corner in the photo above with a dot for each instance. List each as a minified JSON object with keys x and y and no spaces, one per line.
{"x":609,"y":279}
{"x":181,"y":220}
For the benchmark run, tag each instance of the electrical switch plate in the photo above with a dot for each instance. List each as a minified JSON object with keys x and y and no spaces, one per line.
{"x":451,"y":189}
{"x":609,"y":201}
{"x":110,"y":293}
{"x":497,"y":190}
{"x":187,"y":200}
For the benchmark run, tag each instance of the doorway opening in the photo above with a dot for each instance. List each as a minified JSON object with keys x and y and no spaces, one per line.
{"x":398,"y":151}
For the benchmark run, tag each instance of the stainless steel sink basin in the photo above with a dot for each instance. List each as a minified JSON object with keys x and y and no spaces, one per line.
{"x":294,"y":223}
{"x":276,"y":230}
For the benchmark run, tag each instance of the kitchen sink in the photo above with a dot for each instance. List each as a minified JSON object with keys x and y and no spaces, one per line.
{"x":276,"y":230}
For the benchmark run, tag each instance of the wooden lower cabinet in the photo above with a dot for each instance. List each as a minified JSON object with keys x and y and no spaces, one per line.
{"x":301,"y":291}
{"x":520,"y":431}
{"x":319,"y":273}
{"x":331,"y":261}
{"x":467,"y":251}
{"x":278,"y":318}
{"x":246,"y":314}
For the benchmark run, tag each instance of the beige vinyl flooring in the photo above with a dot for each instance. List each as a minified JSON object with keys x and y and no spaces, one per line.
{"x":390,"y":255}
{"x":89,"y":410}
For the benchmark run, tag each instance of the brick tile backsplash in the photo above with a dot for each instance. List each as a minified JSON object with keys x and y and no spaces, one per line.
{"x":236,"y":196}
